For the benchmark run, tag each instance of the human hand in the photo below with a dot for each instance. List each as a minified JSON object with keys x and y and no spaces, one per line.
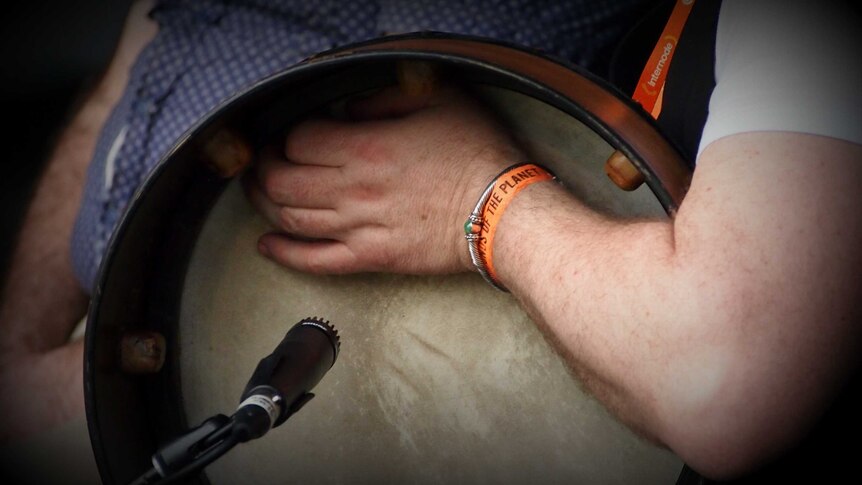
{"x":389,"y":191}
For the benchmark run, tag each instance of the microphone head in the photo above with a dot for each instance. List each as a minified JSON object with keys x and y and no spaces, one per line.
{"x":282,"y":381}
{"x":327,"y":328}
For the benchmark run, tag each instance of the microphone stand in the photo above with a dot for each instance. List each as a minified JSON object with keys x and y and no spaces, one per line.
{"x":287,"y":375}
{"x":191,"y":452}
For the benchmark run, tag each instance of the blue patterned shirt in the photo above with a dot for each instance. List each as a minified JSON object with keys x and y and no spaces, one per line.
{"x":207,"y":50}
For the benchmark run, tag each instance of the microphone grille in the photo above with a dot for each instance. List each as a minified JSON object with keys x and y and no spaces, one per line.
{"x":327,"y":328}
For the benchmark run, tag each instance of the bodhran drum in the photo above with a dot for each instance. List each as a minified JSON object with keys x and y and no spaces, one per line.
{"x":439,"y":379}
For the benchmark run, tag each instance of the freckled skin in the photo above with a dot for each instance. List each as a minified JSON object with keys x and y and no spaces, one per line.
{"x":374,"y":199}
{"x":695,"y":345}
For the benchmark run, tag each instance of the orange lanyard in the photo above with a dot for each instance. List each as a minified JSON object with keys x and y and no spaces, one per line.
{"x":650,"y":89}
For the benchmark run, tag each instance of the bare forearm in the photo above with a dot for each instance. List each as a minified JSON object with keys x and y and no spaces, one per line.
{"x":722,"y":334}
{"x":40,"y":372}
{"x":586,"y":279}
{"x":696,"y":331}
{"x":41,"y":299}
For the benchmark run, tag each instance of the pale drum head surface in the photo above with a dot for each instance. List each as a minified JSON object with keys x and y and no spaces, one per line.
{"x":439,"y":380}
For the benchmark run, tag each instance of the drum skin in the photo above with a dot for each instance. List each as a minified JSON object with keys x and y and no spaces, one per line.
{"x":440,"y":379}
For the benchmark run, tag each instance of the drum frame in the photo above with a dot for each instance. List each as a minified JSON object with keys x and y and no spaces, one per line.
{"x":142,"y":274}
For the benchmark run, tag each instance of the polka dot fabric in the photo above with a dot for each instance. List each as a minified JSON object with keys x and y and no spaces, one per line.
{"x":207,"y":50}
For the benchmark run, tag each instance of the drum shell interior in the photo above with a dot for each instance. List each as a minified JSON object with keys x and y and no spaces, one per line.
{"x":145,"y":270}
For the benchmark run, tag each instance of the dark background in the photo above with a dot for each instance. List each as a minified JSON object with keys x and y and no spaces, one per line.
{"x":50,"y":53}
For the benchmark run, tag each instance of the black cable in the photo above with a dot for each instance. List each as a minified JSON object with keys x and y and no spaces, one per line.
{"x":147,"y":478}
{"x":221,"y":433}
{"x":205,"y":459}
{"x":221,"y":441}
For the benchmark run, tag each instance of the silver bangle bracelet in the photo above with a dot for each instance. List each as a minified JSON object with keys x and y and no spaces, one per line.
{"x":473,"y":228}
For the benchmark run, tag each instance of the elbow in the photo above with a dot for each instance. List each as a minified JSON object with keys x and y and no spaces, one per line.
{"x":745,"y":376}
{"x":724,"y":457}
{"x":726,"y":439}
{"x":739,"y":426}
{"x":728,"y":410}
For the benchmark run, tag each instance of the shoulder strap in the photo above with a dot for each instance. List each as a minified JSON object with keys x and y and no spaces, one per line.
{"x":681,"y":102}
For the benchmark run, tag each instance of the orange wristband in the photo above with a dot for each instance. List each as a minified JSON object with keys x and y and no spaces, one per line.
{"x":481,"y":226}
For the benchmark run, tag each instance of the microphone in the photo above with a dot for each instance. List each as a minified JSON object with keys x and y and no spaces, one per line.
{"x":280,"y":385}
{"x":282,"y":381}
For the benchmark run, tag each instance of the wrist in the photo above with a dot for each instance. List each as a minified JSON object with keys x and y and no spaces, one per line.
{"x":484,"y":168}
{"x":480,"y":227}
{"x":527,"y":230}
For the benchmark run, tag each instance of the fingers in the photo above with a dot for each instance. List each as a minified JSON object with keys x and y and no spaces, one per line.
{"x":298,"y":221}
{"x":290,"y":184}
{"x":329,"y":143}
{"x":334,"y":143}
{"x":314,"y":223}
{"x":318,"y":257}
{"x":267,"y":208}
{"x":346,"y":186}
{"x":390,"y":102}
